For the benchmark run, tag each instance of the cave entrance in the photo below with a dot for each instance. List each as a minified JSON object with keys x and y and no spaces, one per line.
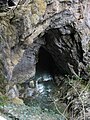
{"x":45,"y":67}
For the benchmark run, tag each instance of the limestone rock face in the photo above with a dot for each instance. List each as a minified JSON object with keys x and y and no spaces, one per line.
{"x":62,"y":26}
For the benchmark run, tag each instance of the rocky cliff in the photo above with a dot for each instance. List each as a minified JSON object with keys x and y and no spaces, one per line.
{"x":62,"y":27}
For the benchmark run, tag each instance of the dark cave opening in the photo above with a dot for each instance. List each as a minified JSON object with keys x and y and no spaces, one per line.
{"x":11,"y":3}
{"x":66,"y":49}
{"x":61,"y":53}
{"x":45,"y":65}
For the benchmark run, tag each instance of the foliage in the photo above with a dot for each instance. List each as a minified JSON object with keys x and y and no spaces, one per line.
{"x":80,"y":91}
{"x":76,"y":98}
{"x":3,"y":100}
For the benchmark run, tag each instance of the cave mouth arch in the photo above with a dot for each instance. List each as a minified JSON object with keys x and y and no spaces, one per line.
{"x":63,"y":50}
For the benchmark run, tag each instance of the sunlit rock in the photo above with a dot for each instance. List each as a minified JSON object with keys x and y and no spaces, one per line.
{"x":2,"y":118}
{"x":17,"y":101}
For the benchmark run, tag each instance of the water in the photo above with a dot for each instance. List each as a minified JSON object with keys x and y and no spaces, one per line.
{"x":45,"y":97}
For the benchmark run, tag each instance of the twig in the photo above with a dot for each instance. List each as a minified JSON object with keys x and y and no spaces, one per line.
{"x":80,"y":100}
{"x":85,"y":88}
{"x":68,"y":106}
{"x":54,"y":101}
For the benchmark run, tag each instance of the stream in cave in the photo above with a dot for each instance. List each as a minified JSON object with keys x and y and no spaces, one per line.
{"x":46,"y":96}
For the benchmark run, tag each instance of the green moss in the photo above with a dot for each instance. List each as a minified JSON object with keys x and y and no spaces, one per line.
{"x":3,"y":100}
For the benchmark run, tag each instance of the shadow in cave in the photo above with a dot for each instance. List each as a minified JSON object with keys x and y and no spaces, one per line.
{"x":45,"y":68}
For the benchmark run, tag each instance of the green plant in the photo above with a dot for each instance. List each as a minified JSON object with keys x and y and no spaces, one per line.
{"x":3,"y":100}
